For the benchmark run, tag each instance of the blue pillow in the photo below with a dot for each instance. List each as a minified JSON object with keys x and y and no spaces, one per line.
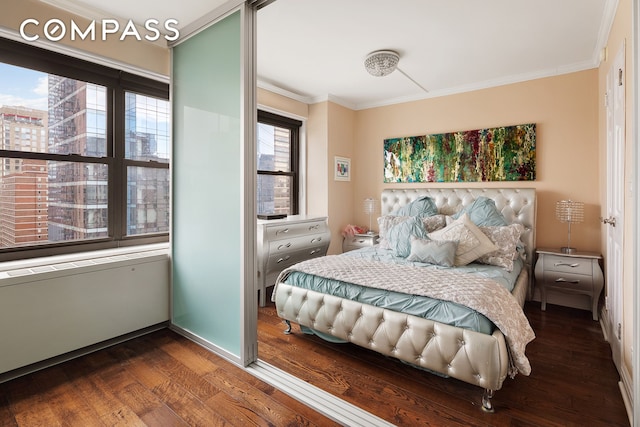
{"x":439,"y":252}
{"x":483,"y":212}
{"x":422,"y":207}
{"x":399,"y":236}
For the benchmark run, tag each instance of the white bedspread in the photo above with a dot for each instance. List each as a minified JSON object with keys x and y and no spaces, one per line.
{"x":483,"y":295}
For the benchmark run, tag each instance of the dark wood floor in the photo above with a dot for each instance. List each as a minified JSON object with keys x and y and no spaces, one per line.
{"x":573,"y":380}
{"x":164,"y":379}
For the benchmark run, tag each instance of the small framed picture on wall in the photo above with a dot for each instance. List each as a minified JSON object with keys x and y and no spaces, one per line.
{"x":342,"y":169}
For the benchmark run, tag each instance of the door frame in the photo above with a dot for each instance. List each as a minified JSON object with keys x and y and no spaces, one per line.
{"x":635,"y":48}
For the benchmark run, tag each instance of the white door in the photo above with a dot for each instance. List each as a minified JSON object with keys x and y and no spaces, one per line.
{"x":614,"y":222}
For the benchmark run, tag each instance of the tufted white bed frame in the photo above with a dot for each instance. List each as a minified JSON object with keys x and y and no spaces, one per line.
{"x":473,"y":357}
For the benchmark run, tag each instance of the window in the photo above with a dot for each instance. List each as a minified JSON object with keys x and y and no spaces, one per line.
{"x":278,"y":174}
{"x":85,"y":150}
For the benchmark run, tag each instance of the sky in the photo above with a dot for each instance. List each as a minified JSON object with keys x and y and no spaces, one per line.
{"x":22,"y":87}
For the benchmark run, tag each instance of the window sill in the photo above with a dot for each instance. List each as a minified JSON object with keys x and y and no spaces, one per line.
{"x":59,"y":263}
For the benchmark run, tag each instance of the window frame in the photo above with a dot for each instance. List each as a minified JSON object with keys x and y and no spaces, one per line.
{"x":117,"y":83}
{"x":294,"y":127}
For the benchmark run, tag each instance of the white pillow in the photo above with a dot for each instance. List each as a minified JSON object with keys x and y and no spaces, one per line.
{"x":472,"y":242}
{"x":506,"y":238}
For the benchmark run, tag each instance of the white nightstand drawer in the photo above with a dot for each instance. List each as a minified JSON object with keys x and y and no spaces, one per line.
{"x":568,"y":281}
{"x":358,"y":241}
{"x":568,"y":265}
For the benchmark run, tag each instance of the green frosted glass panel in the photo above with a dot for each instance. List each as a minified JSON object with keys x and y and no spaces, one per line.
{"x":207,"y":217}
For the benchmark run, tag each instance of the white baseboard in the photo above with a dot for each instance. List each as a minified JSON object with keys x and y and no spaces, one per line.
{"x":626,"y":379}
{"x":626,"y":389}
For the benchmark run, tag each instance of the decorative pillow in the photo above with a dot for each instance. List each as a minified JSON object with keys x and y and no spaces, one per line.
{"x":440,"y":252}
{"x":472,"y":243}
{"x":384,"y":224}
{"x":399,"y":236}
{"x":434,"y":222}
{"x":482,"y":211}
{"x":422,"y":207}
{"x":506,"y":239}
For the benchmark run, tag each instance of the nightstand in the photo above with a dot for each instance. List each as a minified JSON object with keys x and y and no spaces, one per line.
{"x":358,"y":241}
{"x":578,"y":273}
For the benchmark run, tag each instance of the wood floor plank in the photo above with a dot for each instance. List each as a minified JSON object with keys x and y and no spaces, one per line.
{"x":262,"y":405}
{"x":186,"y":405}
{"x":299,"y":414}
{"x":6,"y":416}
{"x":110,"y":410}
{"x":71,"y":407}
{"x":29,"y":404}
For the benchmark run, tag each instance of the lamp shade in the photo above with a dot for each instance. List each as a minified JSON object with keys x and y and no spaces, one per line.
{"x":569,"y":211}
{"x":369,"y":206}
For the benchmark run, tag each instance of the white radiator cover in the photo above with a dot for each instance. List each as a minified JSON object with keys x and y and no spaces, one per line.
{"x":46,"y":312}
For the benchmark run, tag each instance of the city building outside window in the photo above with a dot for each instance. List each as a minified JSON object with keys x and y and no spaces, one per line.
{"x":277,"y":164}
{"x":84,"y":155}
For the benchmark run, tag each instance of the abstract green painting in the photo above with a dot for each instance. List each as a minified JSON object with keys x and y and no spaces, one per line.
{"x":496,"y":154}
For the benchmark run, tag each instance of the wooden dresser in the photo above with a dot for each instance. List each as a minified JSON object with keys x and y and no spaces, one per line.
{"x":284,"y":242}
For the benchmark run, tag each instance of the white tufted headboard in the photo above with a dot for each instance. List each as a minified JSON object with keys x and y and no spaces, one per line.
{"x":516,"y":204}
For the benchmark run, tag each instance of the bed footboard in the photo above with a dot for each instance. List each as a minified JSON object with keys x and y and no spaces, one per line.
{"x":473,"y":357}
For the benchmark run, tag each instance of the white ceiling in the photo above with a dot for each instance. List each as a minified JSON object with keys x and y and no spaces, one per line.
{"x":313,"y":50}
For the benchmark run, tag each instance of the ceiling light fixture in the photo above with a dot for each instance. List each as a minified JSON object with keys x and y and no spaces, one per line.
{"x":384,"y":62}
{"x":381,"y":62}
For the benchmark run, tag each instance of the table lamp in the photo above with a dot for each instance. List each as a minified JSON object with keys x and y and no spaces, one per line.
{"x":572,"y":213}
{"x":370,"y":208}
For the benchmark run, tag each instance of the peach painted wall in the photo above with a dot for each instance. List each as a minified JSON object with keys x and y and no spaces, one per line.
{"x":282,"y":104}
{"x":141,"y":54}
{"x":341,"y":200}
{"x":565,"y":110}
{"x":317,"y":164}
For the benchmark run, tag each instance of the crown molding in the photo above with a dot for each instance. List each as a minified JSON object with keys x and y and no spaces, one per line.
{"x":487,"y":84}
{"x":608,"y":16}
{"x":84,"y":55}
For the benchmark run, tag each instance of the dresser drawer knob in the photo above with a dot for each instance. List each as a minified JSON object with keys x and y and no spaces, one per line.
{"x":314,"y":227}
{"x":562,"y":280}
{"x":284,"y":230}
{"x":566,"y":264}
{"x":313,"y":252}
{"x":288,"y":245}
{"x":283,"y":259}
{"x":317,"y":239}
